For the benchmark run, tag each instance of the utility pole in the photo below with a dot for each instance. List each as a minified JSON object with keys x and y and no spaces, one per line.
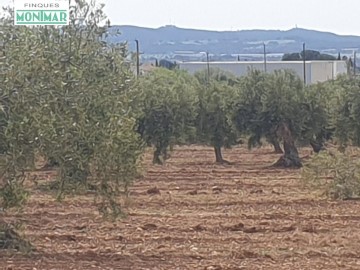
{"x":264,"y":57}
{"x":354,"y":63}
{"x":137,"y":58}
{"x":208,"y":67}
{"x":304,"y":62}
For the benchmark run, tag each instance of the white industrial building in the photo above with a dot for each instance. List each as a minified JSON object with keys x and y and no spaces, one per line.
{"x":316,"y":71}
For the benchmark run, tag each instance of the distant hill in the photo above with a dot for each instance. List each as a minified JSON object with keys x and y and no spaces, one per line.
{"x":173,"y":42}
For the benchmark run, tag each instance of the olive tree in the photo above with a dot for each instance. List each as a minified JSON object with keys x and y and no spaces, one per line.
{"x":216,"y":95}
{"x":73,"y":102}
{"x":168,"y":104}
{"x":319,"y":101}
{"x":272,"y":105}
{"x":248,"y":116}
{"x":347,"y":112}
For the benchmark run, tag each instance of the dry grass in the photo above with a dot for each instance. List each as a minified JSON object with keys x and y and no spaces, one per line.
{"x":202,"y":216}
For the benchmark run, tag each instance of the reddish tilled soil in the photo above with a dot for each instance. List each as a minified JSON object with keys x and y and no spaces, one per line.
{"x":193,"y":214}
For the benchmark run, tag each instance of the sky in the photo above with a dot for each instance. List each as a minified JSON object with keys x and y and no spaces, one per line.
{"x":337,"y":16}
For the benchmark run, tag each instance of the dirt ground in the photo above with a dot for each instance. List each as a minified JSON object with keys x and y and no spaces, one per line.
{"x":206,"y":216}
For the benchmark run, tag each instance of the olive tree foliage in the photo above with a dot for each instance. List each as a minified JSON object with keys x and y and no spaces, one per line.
{"x":216,"y":94}
{"x":168,"y":104}
{"x":67,"y":96}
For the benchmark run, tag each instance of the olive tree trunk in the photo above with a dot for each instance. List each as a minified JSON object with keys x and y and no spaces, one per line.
{"x":156,"y":157}
{"x":218,"y":156}
{"x":317,"y":146}
{"x":290,"y":158}
{"x":51,"y":163}
{"x":275,"y":142}
{"x":318,"y":143}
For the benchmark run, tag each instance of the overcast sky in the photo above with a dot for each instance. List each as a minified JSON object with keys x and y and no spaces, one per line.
{"x":338,"y":16}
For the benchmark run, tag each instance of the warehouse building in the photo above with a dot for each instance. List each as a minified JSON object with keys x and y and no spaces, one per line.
{"x":316,"y":71}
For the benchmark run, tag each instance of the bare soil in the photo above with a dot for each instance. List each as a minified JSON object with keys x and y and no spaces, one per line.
{"x":194,"y":214}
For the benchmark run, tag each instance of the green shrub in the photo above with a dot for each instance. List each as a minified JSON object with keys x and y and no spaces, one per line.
{"x":336,"y":174}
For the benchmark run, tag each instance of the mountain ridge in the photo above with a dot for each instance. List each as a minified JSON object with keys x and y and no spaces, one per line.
{"x":233,"y":31}
{"x":167,"y":40}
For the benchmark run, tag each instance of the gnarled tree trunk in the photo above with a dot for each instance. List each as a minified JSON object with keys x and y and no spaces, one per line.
{"x":275,"y":142}
{"x":317,"y":143}
{"x":317,"y":146}
{"x":291,"y":155}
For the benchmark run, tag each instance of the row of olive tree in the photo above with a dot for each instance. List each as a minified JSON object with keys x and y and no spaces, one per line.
{"x":219,"y":109}
{"x":76,"y":103}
